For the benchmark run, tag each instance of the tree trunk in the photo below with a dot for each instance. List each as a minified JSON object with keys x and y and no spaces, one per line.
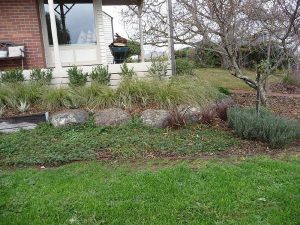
{"x":263,"y":96}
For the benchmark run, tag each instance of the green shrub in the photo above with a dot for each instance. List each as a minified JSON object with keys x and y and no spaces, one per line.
{"x":184,"y":66}
{"x":275,"y":130}
{"x":100,"y":75}
{"x":134,"y":48}
{"x":42,"y":76}
{"x":159,"y":67}
{"x":12,"y":76}
{"x":77,"y":77}
{"x":127,"y":73}
{"x":224,"y":90}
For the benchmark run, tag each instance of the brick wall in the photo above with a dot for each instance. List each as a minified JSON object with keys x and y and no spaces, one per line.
{"x":20,"y":23}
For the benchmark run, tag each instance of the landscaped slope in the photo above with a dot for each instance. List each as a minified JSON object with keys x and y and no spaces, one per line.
{"x":49,"y":145}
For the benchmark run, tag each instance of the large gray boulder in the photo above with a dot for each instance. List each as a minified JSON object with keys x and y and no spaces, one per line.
{"x":190,"y":114}
{"x":112,"y":117}
{"x":69,"y":117}
{"x":156,"y":117}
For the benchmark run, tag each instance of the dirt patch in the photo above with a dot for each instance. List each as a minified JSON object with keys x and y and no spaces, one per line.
{"x":286,"y":105}
{"x":285,"y":88}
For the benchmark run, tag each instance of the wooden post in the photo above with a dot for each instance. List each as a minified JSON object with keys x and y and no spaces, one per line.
{"x":141,"y":32}
{"x":171,"y":37}
{"x":57,"y":61}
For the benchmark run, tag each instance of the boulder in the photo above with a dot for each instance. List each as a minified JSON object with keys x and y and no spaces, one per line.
{"x":112,"y":117}
{"x":69,"y":117}
{"x":156,"y":117}
{"x":191,"y":114}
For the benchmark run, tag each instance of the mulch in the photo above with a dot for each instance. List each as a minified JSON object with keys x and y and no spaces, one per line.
{"x":285,"y":88}
{"x":280,"y":103}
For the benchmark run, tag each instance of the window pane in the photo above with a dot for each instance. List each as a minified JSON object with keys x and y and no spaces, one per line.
{"x":75,"y":22}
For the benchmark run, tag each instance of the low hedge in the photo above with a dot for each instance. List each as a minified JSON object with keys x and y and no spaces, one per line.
{"x":275,"y":130}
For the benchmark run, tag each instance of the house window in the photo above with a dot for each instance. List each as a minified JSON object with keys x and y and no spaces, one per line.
{"x":75,"y":22}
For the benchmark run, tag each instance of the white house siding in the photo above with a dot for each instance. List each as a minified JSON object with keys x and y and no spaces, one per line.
{"x":108,"y":35}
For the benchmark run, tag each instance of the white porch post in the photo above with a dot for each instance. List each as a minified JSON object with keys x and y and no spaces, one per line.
{"x":57,"y":61}
{"x":171,"y":37}
{"x":100,"y":29}
{"x":141,"y":32}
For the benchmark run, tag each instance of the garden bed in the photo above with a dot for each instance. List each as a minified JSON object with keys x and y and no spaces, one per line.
{"x":288,"y":106}
{"x":285,"y":88}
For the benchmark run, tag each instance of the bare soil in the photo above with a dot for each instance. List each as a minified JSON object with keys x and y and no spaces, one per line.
{"x":285,"y":88}
{"x":281,"y":104}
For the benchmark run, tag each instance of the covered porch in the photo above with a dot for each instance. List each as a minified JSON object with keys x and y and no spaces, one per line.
{"x":78,"y":32}
{"x":65,"y":46}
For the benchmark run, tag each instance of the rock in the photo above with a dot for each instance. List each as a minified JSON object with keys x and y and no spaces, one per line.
{"x":69,"y":117}
{"x":112,"y":117}
{"x":156,"y":118}
{"x":191,"y":114}
{"x":228,"y":101}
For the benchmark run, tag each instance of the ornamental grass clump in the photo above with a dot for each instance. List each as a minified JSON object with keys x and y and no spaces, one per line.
{"x":11,"y":94}
{"x":166,"y":94}
{"x":275,"y":130}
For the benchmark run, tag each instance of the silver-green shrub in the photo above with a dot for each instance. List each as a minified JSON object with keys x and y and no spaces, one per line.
{"x":275,"y":130}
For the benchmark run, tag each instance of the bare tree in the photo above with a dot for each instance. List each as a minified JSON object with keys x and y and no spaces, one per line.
{"x":229,"y":24}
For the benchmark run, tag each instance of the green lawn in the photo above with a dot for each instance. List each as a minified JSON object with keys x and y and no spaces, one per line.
{"x":48,"y":145}
{"x":254,"y":191}
{"x":223,"y":78}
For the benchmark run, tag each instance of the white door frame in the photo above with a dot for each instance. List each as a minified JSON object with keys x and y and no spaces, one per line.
{"x":72,"y":49}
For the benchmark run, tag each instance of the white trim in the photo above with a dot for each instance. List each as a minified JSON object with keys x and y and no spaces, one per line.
{"x":57,"y":61}
{"x":49,"y":50}
{"x":101,"y":40}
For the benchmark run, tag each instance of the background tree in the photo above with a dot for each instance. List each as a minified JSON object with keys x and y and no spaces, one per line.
{"x":229,"y":25}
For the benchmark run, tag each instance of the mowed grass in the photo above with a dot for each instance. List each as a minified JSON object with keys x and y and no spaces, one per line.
{"x":49,"y":145}
{"x":254,"y":191}
{"x":222,"y":78}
